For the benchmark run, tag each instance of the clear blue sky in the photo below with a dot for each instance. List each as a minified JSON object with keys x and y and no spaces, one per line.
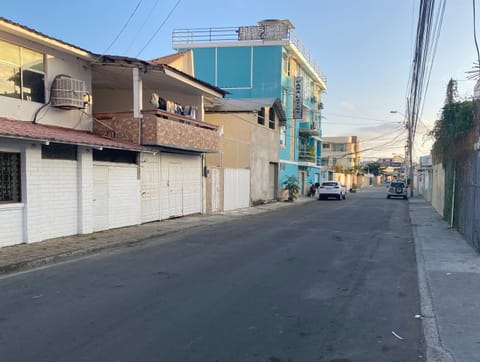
{"x":364,"y":47}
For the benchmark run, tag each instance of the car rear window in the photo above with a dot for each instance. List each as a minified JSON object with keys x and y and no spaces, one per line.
{"x":329,"y":184}
{"x":397,"y":184}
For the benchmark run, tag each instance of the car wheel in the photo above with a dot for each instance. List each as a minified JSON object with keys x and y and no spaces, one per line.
{"x":344,"y":196}
{"x":320,"y":197}
{"x":405,"y":197}
{"x":339,"y":197}
{"x":388,"y":196}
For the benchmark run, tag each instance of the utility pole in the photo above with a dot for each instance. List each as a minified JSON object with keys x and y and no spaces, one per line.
{"x":408,"y":125}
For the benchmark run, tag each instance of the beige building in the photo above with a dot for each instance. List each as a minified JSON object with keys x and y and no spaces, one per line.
{"x":340,"y":154}
{"x":245,"y":170}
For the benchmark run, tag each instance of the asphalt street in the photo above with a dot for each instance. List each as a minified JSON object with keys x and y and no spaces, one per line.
{"x":321,"y":281}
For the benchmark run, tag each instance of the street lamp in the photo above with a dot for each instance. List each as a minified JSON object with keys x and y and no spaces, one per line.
{"x":408,"y":124}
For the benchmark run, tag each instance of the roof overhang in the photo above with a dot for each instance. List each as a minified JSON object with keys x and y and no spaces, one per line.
{"x":24,"y":130}
{"x":16,"y":29}
{"x":114,"y":72}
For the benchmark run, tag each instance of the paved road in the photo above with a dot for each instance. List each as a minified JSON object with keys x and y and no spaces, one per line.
{"x":321,"y":281}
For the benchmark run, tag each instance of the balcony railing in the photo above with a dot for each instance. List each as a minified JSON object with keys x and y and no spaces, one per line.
{"x":307,"y":156}
{"x":159,"y":128}
{"x":183,"y":38}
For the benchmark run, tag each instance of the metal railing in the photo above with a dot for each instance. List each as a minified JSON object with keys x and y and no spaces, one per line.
{"x":183,"y":38}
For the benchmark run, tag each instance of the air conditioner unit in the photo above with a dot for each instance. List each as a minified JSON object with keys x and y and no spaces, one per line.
{"x":69,"y":93}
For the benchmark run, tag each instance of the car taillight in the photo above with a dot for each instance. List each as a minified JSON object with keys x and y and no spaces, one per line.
{"x":321,"y":187}
{"x":336,"y":187}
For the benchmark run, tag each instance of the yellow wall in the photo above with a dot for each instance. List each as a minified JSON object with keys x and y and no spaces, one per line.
{"x":234,"y":150}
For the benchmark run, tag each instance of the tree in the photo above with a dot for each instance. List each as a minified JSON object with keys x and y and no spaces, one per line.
{"x":291,"y":185}
{"x":374,"y":168}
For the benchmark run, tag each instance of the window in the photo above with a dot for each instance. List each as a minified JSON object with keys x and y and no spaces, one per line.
{"x":59,"y":151}
{"x":326,"y":146}
{"x":286,"y":65}
{"x":22,"y":73}
{"x":261,"y":116}
{"x":340,"y":147}
{"x":271,"y":118}
{"x":283,"y":131}
{"x":10,"y":177}
{"x":111,"y":155}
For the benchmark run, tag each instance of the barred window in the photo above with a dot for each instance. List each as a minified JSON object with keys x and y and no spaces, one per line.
{"x":10,"y":177}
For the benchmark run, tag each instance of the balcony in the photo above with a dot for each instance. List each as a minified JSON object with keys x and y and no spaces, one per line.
{"x":309,"y":128}
{"x":307,"y":157}
{"x":159,"y":128}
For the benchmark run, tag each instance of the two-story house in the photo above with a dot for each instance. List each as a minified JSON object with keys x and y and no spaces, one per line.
{"x":245,"y":170}
{"x":267,"y":60}
{"x":64,"y":171}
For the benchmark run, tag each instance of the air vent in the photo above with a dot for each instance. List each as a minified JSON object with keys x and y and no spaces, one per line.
{"x":69,"y":93}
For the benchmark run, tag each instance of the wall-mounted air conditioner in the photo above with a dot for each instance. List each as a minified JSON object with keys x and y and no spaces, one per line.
{"x":69,"y":93}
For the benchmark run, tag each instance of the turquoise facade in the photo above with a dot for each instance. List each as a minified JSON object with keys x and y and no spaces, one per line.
{"x":259,"y":72}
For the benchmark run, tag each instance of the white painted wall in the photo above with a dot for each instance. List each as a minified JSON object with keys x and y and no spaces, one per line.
{"x":438,"y":188}
{"x":57,"y":62}
{"x":11,"y":221}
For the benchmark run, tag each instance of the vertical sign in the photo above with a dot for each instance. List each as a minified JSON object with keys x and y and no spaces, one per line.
{"x":298,"y":101}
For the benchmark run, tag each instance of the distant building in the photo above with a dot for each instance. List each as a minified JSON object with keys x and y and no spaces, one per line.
{"x":341,"y":154}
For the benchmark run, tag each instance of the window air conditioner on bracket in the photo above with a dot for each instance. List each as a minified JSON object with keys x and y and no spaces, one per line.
{"x":69,"y":93}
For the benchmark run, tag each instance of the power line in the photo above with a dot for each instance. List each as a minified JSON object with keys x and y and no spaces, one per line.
{"x":160,"y":27}
{"x":122,"y":30}
{"x":139,"y":30}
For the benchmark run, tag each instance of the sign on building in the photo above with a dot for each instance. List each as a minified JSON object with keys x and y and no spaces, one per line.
{"x":263,"y":32}
{"x":298,"y":98}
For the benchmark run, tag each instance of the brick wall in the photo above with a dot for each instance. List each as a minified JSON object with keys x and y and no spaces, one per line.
{"x":176,"y":133}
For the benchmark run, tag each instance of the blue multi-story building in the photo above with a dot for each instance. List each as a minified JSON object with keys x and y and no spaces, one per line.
{"x":267,"y":60}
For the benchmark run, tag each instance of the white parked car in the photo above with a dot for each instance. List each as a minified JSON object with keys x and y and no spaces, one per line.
{"x":329,"y":189}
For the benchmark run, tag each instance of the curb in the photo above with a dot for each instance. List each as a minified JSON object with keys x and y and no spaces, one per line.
{"x":435,"y":352}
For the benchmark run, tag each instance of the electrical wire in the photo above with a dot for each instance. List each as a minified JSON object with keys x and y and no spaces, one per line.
{"x":475,"y":32}
{"x":158,"y":29}
{"x":140,"y":28}
{"x":120,"y":32}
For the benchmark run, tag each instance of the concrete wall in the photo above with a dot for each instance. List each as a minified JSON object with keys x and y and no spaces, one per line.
{"x":438,"y":188}
{"x":235,"y":145}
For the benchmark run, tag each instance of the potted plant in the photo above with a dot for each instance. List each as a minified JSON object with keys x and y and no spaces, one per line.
{"x":291,"y":185}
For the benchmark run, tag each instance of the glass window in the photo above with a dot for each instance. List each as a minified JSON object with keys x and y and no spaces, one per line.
{"x":261,"y":116}
{"x":283,"y":135}
{"x":271,"y":118}
{"x":22,"y":73}
{"x":10,"y":177}
{"x":59,"y":151}
{"x":339,"y":148}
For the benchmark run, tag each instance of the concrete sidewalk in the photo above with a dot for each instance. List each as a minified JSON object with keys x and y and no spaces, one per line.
{"x":26,"y":256}
{"x":449,"y":284}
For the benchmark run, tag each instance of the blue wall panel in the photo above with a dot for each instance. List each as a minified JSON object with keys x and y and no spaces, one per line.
{"x":267,"y":71}
{"x":204,"y":63}
{"x":234,"y":67}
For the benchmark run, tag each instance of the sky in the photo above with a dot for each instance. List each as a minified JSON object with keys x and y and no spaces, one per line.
{"x":363,"y":47}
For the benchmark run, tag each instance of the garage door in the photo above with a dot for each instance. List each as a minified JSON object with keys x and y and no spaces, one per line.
{"x":236,"y":188}
{"x":116,"y":196}
{"x":171,"y":186}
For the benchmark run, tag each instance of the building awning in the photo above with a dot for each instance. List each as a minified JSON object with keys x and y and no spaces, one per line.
{"x":46,"y":133}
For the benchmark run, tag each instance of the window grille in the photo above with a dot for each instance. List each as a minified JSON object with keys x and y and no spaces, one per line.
{"x":10,"y":177}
